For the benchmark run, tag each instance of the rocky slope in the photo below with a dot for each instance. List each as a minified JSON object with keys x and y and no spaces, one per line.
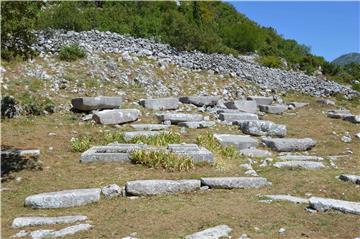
{"x":244,"y":67}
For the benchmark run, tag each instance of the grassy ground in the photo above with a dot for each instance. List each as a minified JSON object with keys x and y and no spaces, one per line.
{"x":174,"y":216}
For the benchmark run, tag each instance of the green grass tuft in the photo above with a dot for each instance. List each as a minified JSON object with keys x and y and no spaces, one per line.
{"x":162,"y":139}
{"x":162,"y":159}
{"x":80,"y":144}
{"x":71,"y":53}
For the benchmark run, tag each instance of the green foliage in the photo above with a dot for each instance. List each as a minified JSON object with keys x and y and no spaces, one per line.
{"x":36,"y":105}
{"x":162,"y":139}
{"x":71,"y":53}
{"x":208,"y":141}
{"x":80,"y":144}
{"x":162,"y":159}
{"x":17,"y":22}
{"x":356,"y":87}
{"x":271,"y":61}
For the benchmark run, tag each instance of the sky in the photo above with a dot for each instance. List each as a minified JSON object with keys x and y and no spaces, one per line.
{"x":330,"y":28}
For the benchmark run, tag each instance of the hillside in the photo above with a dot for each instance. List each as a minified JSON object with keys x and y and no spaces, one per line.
{"x":347,"y":59}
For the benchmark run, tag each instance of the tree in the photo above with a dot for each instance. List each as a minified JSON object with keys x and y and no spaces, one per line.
{"x":17,"y":23}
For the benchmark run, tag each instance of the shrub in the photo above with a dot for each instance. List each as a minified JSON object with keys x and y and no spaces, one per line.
{"x":271,"y":61}
{"x":208,"y":141}
{"x":36,"y":105}
{"x":356,"y":87}
{"x":162,"y":159}
{"x":162,"y":139}
{"x":71,"y":53}
{"x":80,"y":144}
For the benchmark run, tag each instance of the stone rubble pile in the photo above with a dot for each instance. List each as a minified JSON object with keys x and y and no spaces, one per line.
{"x":96,"y":41}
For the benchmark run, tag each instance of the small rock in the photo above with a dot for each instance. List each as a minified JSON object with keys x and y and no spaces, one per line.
{"x":282,"y":231}
{"x":112,"y":190}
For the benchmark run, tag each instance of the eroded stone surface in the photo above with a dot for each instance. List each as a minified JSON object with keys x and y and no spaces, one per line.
{"x":288,"y":198}
{"x":239,"y":141}
{"x":289,"y":144}
{"x":262,"y":100}
{"x":234,"y":182}
{"x":299,"y":164}
{"x":324,"y":204}
{"x":238,"y":116}
{"x":273,"y":109}
{"x":197,"y":124}
{"x":152,"y":127}
{"x":118,"y":116}
{"x":131,"y":135}
{"x":256,"y":153}
{"x":60,"y":233}
{"x":155,"y":187}
{"x":248,"y":106}
{"x":211,"y":233}
{"x":262,"y":128}
{"x":196,"y":153}
{"x":36,"y":221}
{"x":169,"y":103}
{"x":200,"y":100}
{"x":295,"y":157}
{"x":63,"y":199}
{"x":175,"y":118}
{"x":96,"y":103}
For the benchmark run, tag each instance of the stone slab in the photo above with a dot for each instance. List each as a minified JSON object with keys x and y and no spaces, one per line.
{"x":197,"y":124}
{"x":152,"y":127}
{"x":351,"y":178}
{"x":261,"y":100}
{"x":273,"y":109}
{"x":196,"y":153}
{"x":156,"y":187}
{"x":338,"y":114}
{"x":239,"y":141}
{"x":169,"y":103}
{"x":37,"y":221}
{"x":234,"y":182}
{"x":324,"y":204}
{"x":289,"y":144}
{"x":63,"y":199}
{"x":262,"y":128}
{"x":236,"y":117}
{"x":248,"y":106}
{"x":211,"y":233}
{"x":118,"y":116}
{"x":353,"y":119}
{"x":200,"y":100}
{"x":288,"y":198}
{"x":255,"y":153}
{"x":131,"y":135}
{"x":294,"y":157}
{"x":39,"y":234}
{"x":110,"y":153}
{"x":96,"y":103}
{"x":175,"y":118}
{"x":299,"y":164}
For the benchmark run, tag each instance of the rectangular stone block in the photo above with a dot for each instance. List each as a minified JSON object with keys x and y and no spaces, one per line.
{"x":96,"y":103}
{"x":116,"y":116}
{"x":248,"y":106}
{"x":175,"y":118}
{"x":273,"y":109}
{"x":262,"y":100}
{"x":234,"y":182}
{"x":324,"y":204}
{"x":236,"y":117}
{"x":130,"y":135}
{"x":160,"y":103}
{"x":198,"y":154}
{"x":289,"y":144}
{"x":239,"y":141}
{"x":200,"y":100}
{"x":152,"y":127}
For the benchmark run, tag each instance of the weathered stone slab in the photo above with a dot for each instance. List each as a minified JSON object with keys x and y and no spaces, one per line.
{"x":14,"y":160}
{"x":96,"y":103}
{"x":353,"y":119}
{"x":152,"y":127}
{"x":289,"y":144}
{"x":262,"y":100}
{"x":239,"y":141}
{"x":130,"y":135}
{"x":175,"y":118}
{"x":36,"y":221}
{"x":198,"y":154}
{"x":288,"y":198}
{"x":111,"y":190}
{"x":236,"y":117}
{"x":110,"y":153}
{"x":118,"y":116}
{"x":39,"y":234}
{"x":211,"y":233}
{"x":351,"y":178}
{"x":160,"y":103}
{"x":290,"y":157}
{"x":299,"y":164}
{"x":197,"y":124}
{"x":63,"y":199}
{"x":338,"y":114}
{"x":297,"y":105}
{"x":262,"y":128}
{"x":248,"y":106}
{"x":273,"y":109}
{"x":255,"y":153}
{"x":324,"y":204}
{"x":200,"y":100}
{"x":234,"y":182}
{"x":155,"y":187}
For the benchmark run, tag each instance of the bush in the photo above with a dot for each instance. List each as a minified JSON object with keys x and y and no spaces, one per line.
{"x":356,"y":87}
{"x":36,"y":105}
{"x":80,"y":144}
{"x":162,"y":159}
{"x":271,"y":61}
{"x":71,"y":53}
